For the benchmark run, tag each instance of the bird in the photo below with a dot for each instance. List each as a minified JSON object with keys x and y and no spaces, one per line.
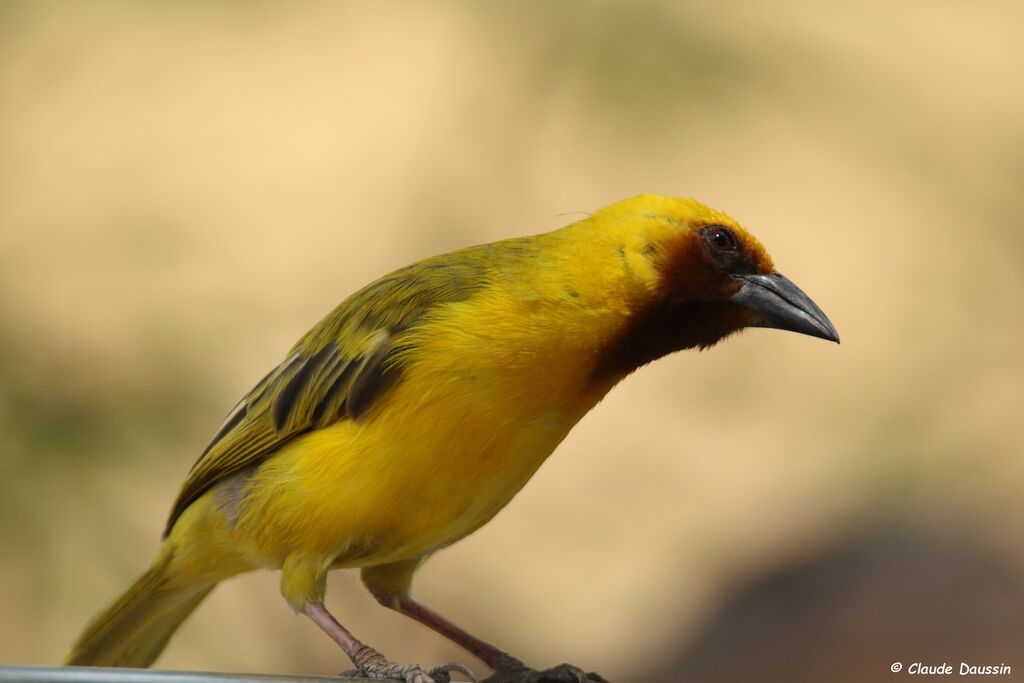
{"x":414,"y":411}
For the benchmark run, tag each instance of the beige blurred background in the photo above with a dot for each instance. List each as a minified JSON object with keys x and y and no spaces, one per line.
{"x":186,"y":187}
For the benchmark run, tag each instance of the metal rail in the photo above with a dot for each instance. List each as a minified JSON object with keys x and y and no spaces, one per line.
{"x":93,"y":674}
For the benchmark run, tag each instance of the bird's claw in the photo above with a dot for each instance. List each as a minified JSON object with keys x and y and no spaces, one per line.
{"x":447,"y":668}
{"x":374,"y":666}
{"x":563,"y":673}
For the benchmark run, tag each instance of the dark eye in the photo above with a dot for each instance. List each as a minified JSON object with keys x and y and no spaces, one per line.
{"x":720,"y":238}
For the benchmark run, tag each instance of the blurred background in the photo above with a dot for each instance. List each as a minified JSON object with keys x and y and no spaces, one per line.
{"x":186,"y":187}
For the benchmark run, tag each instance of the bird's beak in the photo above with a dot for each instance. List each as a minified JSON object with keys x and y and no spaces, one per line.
{"x":779,"y":303}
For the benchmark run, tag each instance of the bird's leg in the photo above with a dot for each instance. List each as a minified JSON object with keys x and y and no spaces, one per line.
{"x":484,"y":651}
{"x":507,"y":669}
{"x":372,"y":664}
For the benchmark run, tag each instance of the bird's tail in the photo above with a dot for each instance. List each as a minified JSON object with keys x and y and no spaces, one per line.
{"x":135,"y":629}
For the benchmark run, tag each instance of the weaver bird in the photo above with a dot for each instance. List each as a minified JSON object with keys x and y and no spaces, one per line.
{"x":415,"y":411}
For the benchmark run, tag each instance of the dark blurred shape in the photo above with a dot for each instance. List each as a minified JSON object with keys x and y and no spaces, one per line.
{"x":851,"y":612}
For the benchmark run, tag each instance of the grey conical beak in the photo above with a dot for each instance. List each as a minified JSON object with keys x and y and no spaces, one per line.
{"x":779,"y":303}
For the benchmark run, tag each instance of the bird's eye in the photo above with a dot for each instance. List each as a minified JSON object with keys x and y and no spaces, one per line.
{"x":720,"y":238}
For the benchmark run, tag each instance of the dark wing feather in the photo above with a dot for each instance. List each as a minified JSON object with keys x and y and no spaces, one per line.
{"x":339,"y":370}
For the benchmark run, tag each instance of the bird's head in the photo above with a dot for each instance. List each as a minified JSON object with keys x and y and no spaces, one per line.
{"x":704,"y":277}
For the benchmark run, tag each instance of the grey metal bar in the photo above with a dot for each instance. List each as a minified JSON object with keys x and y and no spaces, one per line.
{"x":94,"y":674}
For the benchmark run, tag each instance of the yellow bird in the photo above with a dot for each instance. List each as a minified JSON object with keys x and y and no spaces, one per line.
{"x":415,"y":411}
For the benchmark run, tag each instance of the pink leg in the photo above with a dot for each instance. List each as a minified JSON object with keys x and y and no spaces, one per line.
{"x":356,"y":651}
{"x":507,"y":668}
{"x":368,"y":661}
{"x":490,"y":655}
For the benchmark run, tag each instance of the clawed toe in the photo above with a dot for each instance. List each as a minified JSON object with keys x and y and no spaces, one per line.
{"x":409,"y":673}
{"x":563,"y":673}
{"x":444,"y":671}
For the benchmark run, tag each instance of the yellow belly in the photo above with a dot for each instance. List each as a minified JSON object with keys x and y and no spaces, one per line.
{"x":467,"y":426}
{"x":364,"y":499}
{"x":434,"y":465}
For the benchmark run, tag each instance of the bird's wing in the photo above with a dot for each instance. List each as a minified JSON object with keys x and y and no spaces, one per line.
{"x":338,"y":370}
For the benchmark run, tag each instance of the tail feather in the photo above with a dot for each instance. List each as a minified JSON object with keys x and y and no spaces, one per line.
{"x":135,"y":629}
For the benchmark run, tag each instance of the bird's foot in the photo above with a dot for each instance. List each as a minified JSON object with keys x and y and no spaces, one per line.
{"x":515,"y":671}
{"x":373,"y":665}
